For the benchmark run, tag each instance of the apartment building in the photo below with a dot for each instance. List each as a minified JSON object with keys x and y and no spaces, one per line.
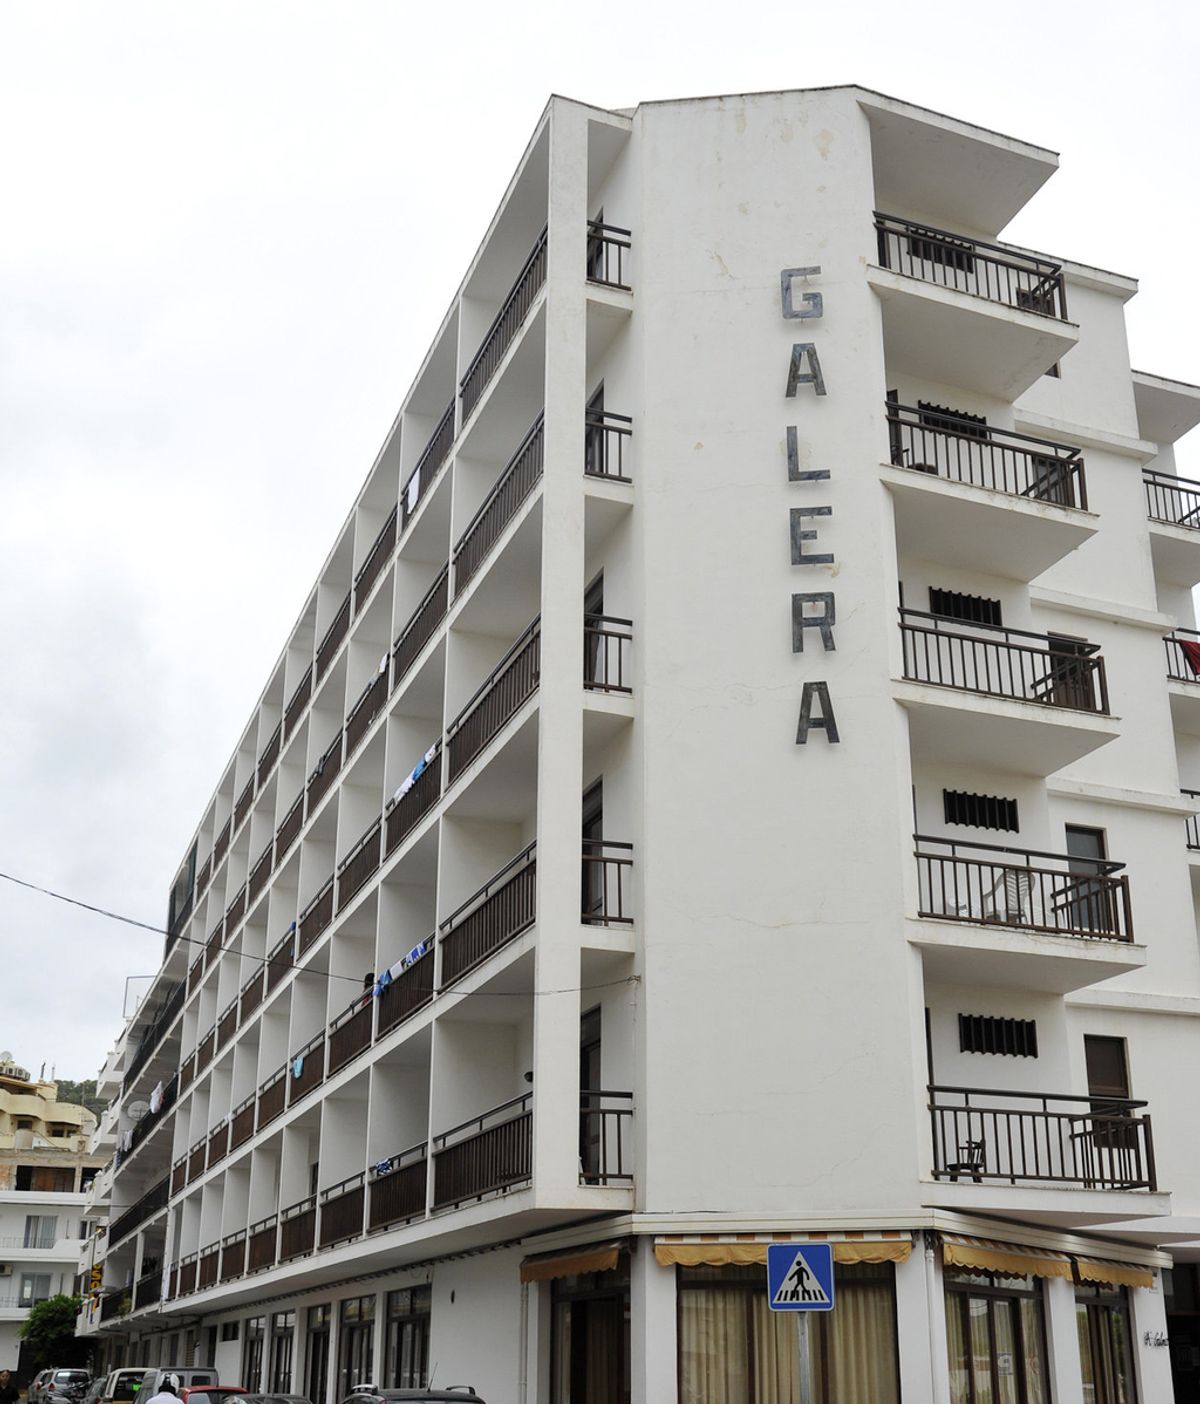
{"x":733,"y":780}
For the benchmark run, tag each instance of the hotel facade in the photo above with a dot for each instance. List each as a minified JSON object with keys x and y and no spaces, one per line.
{"x":733,"y":780}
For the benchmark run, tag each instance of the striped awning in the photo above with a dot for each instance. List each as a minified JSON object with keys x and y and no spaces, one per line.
{"x":596,"y":1257}
{"x":748,"y":1250}
{"x":1115,"y":1274}
{"x":1008,"y":1259}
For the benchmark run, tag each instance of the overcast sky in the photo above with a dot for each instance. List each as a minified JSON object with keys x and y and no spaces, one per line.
{"x":228,"y":232}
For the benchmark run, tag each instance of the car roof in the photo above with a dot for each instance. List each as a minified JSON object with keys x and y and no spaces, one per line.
{"x":419,"y":1396}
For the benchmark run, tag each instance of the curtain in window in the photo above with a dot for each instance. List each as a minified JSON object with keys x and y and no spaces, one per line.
{"x":714,"y":1348}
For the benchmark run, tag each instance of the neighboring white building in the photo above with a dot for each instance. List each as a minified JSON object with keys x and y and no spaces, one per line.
{"x":726,"y":784}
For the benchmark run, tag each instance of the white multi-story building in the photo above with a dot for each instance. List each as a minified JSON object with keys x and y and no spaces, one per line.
{"x":727,"y":784}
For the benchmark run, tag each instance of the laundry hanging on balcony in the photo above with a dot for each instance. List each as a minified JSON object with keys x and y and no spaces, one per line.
{"x":415,"y":774}
{"x":156,"y":1099}
{"x":1191,"y":652}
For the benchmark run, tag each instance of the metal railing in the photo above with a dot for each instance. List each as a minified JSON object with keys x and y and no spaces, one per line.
{"x":187,"y":1274}
{"x":501,"y":910}
{"x":1175,"y":501}
{"x":350,"y":1032}
{"x":261,"y":870}
{"x":604,"y":444}
{"x":358,"y":865}
{"x":421,"y":625}
{"x":397,"y":1191}
{"x":203,"y":875}
{"x":324,"y":772}
{"x":607,"y":245}
{"x":205,"y":1050}
{"x":262,"y":1243}
{"x":403,"y":814}
{"x":178,"y":1179}
{"x":118,"y":1302}
{"x":605,"y":887}
{"x":282,"y":957}
{"x":271,"y":1097}
{"x":1192,"y":822}
{"x":154,"y":1034}
{"x":365,"y":710}
{"x":342,"y":1208}
{"x":498,"y":698}
{"x":218,"y":1143}
{"x":210,"y":1266}
{"x":989,"y":885}
{"x":310,"y":1060}
{"x":999,"y":662}
{"x":1040,"y":1138}
{"x":298,"y":701}
{"x":244,"y":801}
{"x":197,"y":1160}
{"x":290,"y":825}
{"x":152,"y":1120}
{"x":270,"y":753}
{"x":241,"y":1121}
{"x":298,"y":1229}
{"x":505,"y":326}
{"x":233,"y":1256}
{"x":515,"y":483}
{"x":228,"y":1022}
{"x":606,"y":644}
{"x":376,"y":559}
{"x":1183,"y":655}
{"x":187,"y":1071}
{"x":429,"y":465}
{"x":316,"y":916}
{"x":605,"y":1137}
{"x":251,"y":994}
{"x":147,"y":1290}
{"x":212,"y":946}
{"x":409,"y":991}
{"x":332,"y":638}
{"x":971,"y":265}
{"x":963,"y":451}
{"x":221,"y":844}
{"x":489,"y":1153}
{"x":146,"y":1207}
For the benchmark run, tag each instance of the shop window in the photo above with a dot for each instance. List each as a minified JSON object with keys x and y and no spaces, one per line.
{"x":1105,"y":1353}
{"x":283,"y":1334}
{"x":406,"y":1362}
{"x":252,"y":1352}
{"x":316,"y":1371}
{"x":995,"y":1338}
{"x":590,"y":1341}
{"x":356,"y":1343}
{"x":734,"y":1350}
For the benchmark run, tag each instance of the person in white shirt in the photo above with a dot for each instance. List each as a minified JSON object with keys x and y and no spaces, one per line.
{"x":168,"y":1392}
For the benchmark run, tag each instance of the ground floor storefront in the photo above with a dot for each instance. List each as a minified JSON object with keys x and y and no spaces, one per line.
{"x":624,"y":1313}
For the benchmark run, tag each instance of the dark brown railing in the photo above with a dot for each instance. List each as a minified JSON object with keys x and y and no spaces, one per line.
{"x":187,"y":1071}
{"x":333,"y":636}
{"x":607,"y":245}
{"x":212,"y":946}
{"x":606,"y":644}
{"x":429,"y":465}
{"x":261,"y":870}
{"x":228,"y":1022}
{"x":233,"y":1256}
{"x":117,"y":1302}
{"x":187,"y":1274}
{"x":281,"y":959}
{"x":236,"y":909}
{"x":970,"y":265}
{"x":270,"y":754}
{"x":298,"y":1229}
{"x":420,"y":627}
{"x":988,"y":885}
{"x":241,"y":1122}
{"x":146,"y":1207}
{"x":605,"y":437}
{"x":501,"y":909}
{"x":251,"y":994}
{"x":206,"y":1049}
{"x":218,"y":1143}
{"x":342,"y":1210}
{"x":298,"y":701}
{"x":290,"y":826}
{"x":605,"y":1138}
{"x":1183,"y":655}
{"x":506,"y":688}
{"x":203,"y":875}
{"x":964,"y":451}
{"x":397,"y":1193}
{"x":377,"y":558}
{"x":262,"y":1243}
{"x":316,"y":916}
{"x":358,"y":865}
{"x":311,"y":1061}
{"x":151,"y":1121}
{"x":607,"y":867}
{"x":350,"y":1033}
{"x":1040,"y":1138}
{"x":504,"y":328}
{"x":197,"y":1157}
{"x":210,"y":1267}
{"x":154,"y":1034}
{"x":490,"y":1153}
{"x":1192,"y":822}
{"x":244,"y":801}
{"x":221,"y":844}
{"x":998,"y":662}
{"x":271,"y":1096}
{"x":406,"y":812}
{"x":409,"y":991}
{"x":147,"y":1290}
{"x":324,"y":772}
{"x":178,"y":1181}
{"x":1173,"y":500}
{"x":366,"y":709}
{"x":515,"y":483}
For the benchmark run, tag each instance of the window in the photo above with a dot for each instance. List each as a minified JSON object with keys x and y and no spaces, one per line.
{"x":1105,"y":1356}
{"x":928,"y":247}
{"x":62,"y":1128}
{"x":356,"y":1343}
{"x":590,"y":1338}
{"x":1091,"y":902}
{"x":1070,"y":680}
{"x":317,"y":1361}
{"x":995,"y":1338}
{"x":406,"y":1364}
{"x":590,"y":1082}
{"x":980,"y":811}
{"x":972,"y":609}
{"x":41,"y":1230}
{"x":981,"y":1033}
{"x":734,"y":1349}
{"x":283,"y":1334}
{"x":1107,"y":1066}
{"x":229,"y":1331}
{"x":594,"y":657}
{"x":45,"y":1178}
{"x":592,"y":895}
{"x":593,"y":438}
{"x":35,"y":1287}
{"x":24,"y":1123}
{"x":252,"y":1352}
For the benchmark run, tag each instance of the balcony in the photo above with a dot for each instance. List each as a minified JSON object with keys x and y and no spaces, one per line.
{"x":501,"y":695}
{"x":261,"y":871}
{"x":233,"y":1256}
{"x":271,"y":1097}
{"x":153,"y":1036}
{"x":290,"y":826}
{"x":145,"y":1208}
{"x":307,"y":1069}
{"x":499,"y":507}
{"x":421,"y":626}
{"x":244,"y":801}
{"x":324,"y":772}
{"x":210,"y":1267}
{"x":359,"y":864}
{"x":983,"y":695}
{"x":342,"y":1210}
{"x":489,"y":1154}
{"x":377,"y":558}
{"x":316,"y":916}
{"x":270,"y":754}
{"x":332,"y":639}
{"x":227,"y":1023}
{"x":606,"y":438}
{"x":413,"y":799}
{"x":606,"y":644}
{"x":605,"y":1138}
{"x":508,"y":322}
{"x":261,"y":1244}
{"x":397,"y":1191}
{"x":607,"y":867}
{"x":298,"y":1229}
{"x":964,"y":312}
{"x":241,"y":1122}
{"x":366,"y":708}
{"x":218,"y":1143}
{"x":492,"y":917}
{"x":1192,"y":823}
{"x":282,"y":957}
{"x":429,"y":466}
{"x":607,"y":248}
{"x":407,"y":991}
{"x":350,"y":1032}
{"x":147,"y":1290}
{"x":251,"y":994}
{"x":297,"y":702}
{"x":118,"y":1302}
{"x":1183,"y":678}
{"x":1173,"y":510}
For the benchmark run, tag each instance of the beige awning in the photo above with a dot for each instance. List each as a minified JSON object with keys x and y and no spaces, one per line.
{"x":1117,"y":1274}
{"x":1009,"y":1259}
{"x":596,"y":1257}
{"x":697,"y":1253}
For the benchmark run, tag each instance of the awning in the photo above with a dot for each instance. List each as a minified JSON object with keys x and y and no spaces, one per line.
{"x":670,"y":1253}
{"x":1117,"y":1274}
{"x":1009,"y":1259}
{"x":596,"y":1257}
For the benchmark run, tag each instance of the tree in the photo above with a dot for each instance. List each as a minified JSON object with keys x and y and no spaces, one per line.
{"x":81,"y":1094}
{"x":49,"y":1334}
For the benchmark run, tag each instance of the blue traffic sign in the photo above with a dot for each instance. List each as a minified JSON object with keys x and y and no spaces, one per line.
{"x":800,"y":1276}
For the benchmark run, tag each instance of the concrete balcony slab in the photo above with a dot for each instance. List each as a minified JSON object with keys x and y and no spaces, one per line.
{"x":995,"y":954}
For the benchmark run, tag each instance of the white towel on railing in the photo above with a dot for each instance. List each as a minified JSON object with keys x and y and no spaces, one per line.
{"x":414,"y":491}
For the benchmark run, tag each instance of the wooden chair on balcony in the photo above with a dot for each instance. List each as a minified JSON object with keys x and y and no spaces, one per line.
{"x":970,"y":1161}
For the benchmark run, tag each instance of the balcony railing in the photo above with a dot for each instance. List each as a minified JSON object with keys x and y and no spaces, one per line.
{"x":241,"y":1122}
{"x":1175,"y":501}
{"x":496,"y":914}
{"x":970,"y":265}
{"x":187,"y":1071}
{"x":306,"y":1069}
{"x":350,"y":1032}
{"x":151,"y":1120}
{"x":333,"y":636}
{"x":262,"y":1244}
{"x":606,"y":645}
{"x":607,"y":245}
{"x":429,"y":465}
{"x":605,"y":440}
{"x":366,"y":709}
{"x":227,"y":1023}
{"x":251,"y":994}
{"x":490,"y":1153}
{"x":324,"y":772}
{"x":282,"y":957}
{"x":1192,"y":823}
{"x":118,"y":1302}
{"x":210,"y":1267}
{"x":377,"y":558}
{"x":244,"y":801}
{"x":261,"y":870}
{"x":504,"y":328}
{"x":221,"y":844}
{"x":316,"y":916}
{"x":178,"y":1180}
{"x":147,"y":1290}
{"x":420,"y":627}
{"x":1183,"y":655}
{"x":606,"y":873}
{"x":498,"y":508}
{"x":153,"y":1036}
{"x":271,"y":1096}
{"x":297,"y":702}
{"x":236,"y":909}
{"x":187,"y":1274}
{"x":270,"y":754}
{"x":233,"y":1256}
{"x":358,"y":864}
{"x":406,"y":810}
{"x":290,"y":826}
{"x":342,"y":1210}
{"x":997,"y":662}
{"x":197,"y":1160}
{"x":501,"y":695}
{"x":964,"y":451}
{"x":145,"y":1208}
{"x":203,"y":875}
{"x":218,"y":1143}
{"x":605,"y":1138}
{"x":298,"y":1229}
{"x":408,"y":991}
{"x":1040,"y":1138}
{"x":212,"y":947}
{"x":988,"y":885}
{"x":397,"y":1191}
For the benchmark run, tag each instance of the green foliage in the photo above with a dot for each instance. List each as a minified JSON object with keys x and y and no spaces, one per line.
{"x":81,"y":1094}
{"x":49,"y":1334}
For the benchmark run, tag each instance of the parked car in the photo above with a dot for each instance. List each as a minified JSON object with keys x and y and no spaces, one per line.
{"x":120,"y":1386}
{"x":37,"y":1386}
{"x":274,"y":1399}
{"x":71,"y":1384}
{"x":452,"y":1394}
{"x":185,"y":1375}
{"x":211,"y":1394}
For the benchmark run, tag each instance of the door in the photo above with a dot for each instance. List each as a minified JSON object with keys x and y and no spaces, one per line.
{"x":590,"y":1115}
{"x":1069,"y":683}
{"x":1090,"y":900}
{"x":595,"y":671}
{"x":1114,"y":1134}
{"x":594,"y":455}
{"x":592,"y":891}
{"x":1105,"y":1358}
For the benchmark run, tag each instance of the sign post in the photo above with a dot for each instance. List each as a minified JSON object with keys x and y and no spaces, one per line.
{"x":800,"y":1278}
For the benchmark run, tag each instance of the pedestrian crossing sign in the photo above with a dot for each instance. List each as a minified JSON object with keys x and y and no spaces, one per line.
{"x":800,"y":1276}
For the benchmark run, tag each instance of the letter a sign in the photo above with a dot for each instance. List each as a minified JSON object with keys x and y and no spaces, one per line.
{"x":800,"y":1276}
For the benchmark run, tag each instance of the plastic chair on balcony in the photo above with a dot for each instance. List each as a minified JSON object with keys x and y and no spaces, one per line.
{"x":1011,"y":898}
{"x":969,"y":1162}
